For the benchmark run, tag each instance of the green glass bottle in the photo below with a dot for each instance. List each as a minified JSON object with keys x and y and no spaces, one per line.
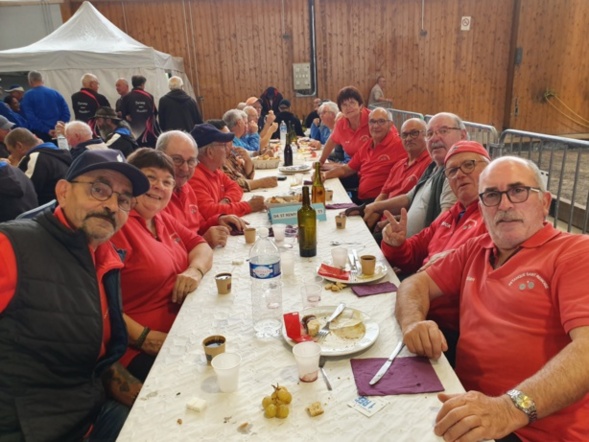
{"x":318,"y":190}
{"x":307,"y":219}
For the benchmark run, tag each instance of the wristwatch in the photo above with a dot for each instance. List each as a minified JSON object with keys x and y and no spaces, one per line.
{"x":524,"y":403}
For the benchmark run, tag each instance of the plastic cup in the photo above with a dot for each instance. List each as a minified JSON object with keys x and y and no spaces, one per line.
{"x":311,"y":294}
{"x":307,"y":356}
{"x":226,"y":366}
{"x":279,"y":232}
{"x":213,"y":346}
{"x":223,"y":281}
{"x":297,"y":179}
{"x":287,"y":263}
{"x":340,"y":221}
{"x":267,"y":311}
{"x":368,"y":263}
{"x":339,"y":256}
{"x":250,"y":235}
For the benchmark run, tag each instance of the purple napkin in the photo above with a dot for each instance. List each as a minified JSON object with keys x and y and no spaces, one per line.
{"x":374,"y":289}
{"x":340,"y":206}
{"x":235,"y":232}
{"x":307,"y":182}
{"x":410,"y":375}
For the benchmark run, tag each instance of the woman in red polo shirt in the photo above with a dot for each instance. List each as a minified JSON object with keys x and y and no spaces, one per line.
{"x":164,"y":262}
{"x":351,"y":131}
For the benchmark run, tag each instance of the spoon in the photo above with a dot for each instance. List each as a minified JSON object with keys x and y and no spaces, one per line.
{"x":321,"y":364}
{"x":339,"y":243}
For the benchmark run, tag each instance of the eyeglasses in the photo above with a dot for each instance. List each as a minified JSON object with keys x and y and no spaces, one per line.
{"x":102,"y":192}
{"x":179,"y":161}
{"x":467,"y":167}
{"x":442,"y":132}
{"x":167,"y":183}
{"x":517,"y":194}
{"x":411,"y":134}
{"x":380,"y":122}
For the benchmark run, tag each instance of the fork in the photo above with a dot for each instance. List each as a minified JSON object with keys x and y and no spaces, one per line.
{"x":353,"y":267}
{"x":325,"y":329}
{"x":321,"y":365}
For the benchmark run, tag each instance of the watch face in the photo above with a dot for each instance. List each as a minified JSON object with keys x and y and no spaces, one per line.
{"x":525,"y":402}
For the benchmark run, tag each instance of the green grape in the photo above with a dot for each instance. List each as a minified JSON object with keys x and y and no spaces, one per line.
{"x":284,"y":396}
{"x":282,"y":412}
{"x":266,"y":401}
{"x":270,"y":411}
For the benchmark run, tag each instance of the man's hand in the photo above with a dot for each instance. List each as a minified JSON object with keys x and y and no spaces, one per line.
{"x":316,"y":121}
{"x":121,"y":385}
{"x":186,"y":282}
{"x":473,"y":416}
{"x":270,"y":118}
{"x":395,"y":233}
{"x":257,"y":203}
{"x":424,"y":338}
{"x":153,"y":342}
{"x":264,"y":183}
{"x":252,"y":127}
{"x":435,"y":258}
{"x":315,"y":144}
{"x":233,"y":222}
{"x":216,"y":236}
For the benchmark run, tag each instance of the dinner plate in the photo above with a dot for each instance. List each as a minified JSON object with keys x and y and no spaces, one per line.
{"x":380,"y":272}
{"x":333,"y":345}
{"x":289,"y":170}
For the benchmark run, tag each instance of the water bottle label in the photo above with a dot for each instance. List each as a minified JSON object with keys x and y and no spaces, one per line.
{"x":265,"y":271}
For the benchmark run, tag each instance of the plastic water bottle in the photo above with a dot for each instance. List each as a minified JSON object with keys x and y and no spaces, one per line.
{"x":62,"y":142}
{"x":282,"y":134}
{"x":266,"y":287}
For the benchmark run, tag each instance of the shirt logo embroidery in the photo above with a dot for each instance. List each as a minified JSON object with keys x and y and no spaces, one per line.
{"x":470,"y":279}
{"x":446,"y":224}
{"x":527,"y":281}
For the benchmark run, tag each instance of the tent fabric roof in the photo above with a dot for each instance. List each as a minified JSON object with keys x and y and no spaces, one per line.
{"x":89,"y":36}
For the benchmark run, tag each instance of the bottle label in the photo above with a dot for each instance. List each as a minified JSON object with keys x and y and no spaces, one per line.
{"x":265,"y":271}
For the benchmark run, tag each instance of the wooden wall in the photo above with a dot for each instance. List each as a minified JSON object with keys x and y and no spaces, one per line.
{"x":233,"y":49}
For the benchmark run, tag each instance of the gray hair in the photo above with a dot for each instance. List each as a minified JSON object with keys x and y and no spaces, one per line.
{"x":87,"y":79}
{"x":167,"y":137}
{"x":524,"y":162}
{"x":389,"y":115}
{"x":457,"y":120}
{"x":232,"y":117}
{"x":78,"y":128}
{"x":175,"y":83}
{"x":328,"y":106}
{"x":34,"y":77}
{"x":250,"y":109}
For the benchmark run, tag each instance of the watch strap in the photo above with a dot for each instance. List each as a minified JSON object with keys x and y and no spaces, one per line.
{"x":524,"y":403}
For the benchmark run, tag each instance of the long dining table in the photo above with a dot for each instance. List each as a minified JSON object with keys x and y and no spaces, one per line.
{"x":181,"y":374}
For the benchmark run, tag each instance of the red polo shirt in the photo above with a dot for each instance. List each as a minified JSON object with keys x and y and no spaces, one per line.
{"x":517,"y":317}
{"x":183,"y":206}
{"x":212,"y":187}
{"x":351,"y":140}
{"x":404,"y":176}
{"x":373,"y":163}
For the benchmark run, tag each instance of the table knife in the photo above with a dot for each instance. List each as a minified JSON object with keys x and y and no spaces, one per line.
{"x":356,"y":260}
{"x":378,"y":376}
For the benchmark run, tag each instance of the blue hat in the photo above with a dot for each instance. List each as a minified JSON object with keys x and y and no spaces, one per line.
{"x":284,"y":103}
{"x":14,"y":88}
{"x":109,"y":159}
{"x":205,"y":134}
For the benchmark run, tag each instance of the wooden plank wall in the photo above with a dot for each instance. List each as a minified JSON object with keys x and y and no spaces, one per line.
{"x":233,"y":49}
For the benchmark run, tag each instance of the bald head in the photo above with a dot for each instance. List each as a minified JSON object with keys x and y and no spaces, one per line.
{"x":182,"y":148}
{"x":77,"y":132}
{"x":413,"y":137}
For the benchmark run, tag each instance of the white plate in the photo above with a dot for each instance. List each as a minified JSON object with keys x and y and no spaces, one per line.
{"x":380,"y":272}
{"x":332,"y":345}
{"x":289,"y":170}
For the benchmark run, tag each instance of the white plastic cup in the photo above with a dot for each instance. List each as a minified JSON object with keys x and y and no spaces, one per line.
{"x":287,"y":263}
{"x":297,"y":179}
{"x":226,"y":366}
{"x":311,"y":294}
{"x":339,"y":256}
{"x":307,"y":356}
{"x":279,"y":232}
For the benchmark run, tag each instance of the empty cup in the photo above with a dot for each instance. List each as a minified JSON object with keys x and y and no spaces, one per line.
{"x":339,"y":256}
{"x":307,"y":356}
{"x":297,"y":179}
{"x":287,"y":263}
{"x":368,"y":263}
{"x":340,"y":221}
{"x":279,"y":232}
{"x":250,"y":235}
{"x":226,"y":366}
{"x":223,"y":281}
{"x":311,"y":294}
{"x":213,"y":346}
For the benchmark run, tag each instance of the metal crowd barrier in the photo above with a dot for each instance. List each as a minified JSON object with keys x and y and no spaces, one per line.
{"x":482,"y":133}
{"x":400,"y":116}
{"x":565,"y":166}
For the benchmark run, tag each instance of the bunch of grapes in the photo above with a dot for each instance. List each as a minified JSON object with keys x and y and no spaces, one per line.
{"x":276,"y":405}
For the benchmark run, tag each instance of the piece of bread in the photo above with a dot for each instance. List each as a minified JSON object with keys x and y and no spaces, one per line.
{"x":315,"y":409}
{"x":311,"y":325}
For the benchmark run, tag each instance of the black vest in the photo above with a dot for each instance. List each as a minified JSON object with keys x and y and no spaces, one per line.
{"x":51,"y":333}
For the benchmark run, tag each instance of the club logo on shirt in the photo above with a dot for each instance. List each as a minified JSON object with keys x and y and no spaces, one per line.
{"x":470,"y":224}
{"x":175,"y":238}
{"x":446,"y":224}
{"x":384,"y":157}
{"x":193,"y":209}
{"x":470,"y":279}
{"x":527,"y":281}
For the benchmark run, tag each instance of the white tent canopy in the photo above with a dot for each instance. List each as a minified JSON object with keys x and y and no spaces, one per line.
{"x":89,"y":42}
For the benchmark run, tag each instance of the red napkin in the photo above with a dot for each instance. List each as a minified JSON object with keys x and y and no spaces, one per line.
{"x":333,"y":272}
{"x":293,"y":327}
{"x":374,"y":289}
{"x":410,"y":375}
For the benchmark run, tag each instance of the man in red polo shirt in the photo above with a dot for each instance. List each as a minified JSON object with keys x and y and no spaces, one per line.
{"x":523,"y":350}
{"x":375,"y":158}
{"x":183,"y":205}
{"x":61,"y":323}
{"x":217,"y":193}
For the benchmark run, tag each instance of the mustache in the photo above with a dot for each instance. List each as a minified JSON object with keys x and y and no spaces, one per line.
{"x":505,"y":217}
{"x":106,"y":215}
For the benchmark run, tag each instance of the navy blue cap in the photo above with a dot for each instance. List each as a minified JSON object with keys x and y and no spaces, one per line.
{"x":205,"y":134}
{"x":284,"y":103}
{"x":109,"y":159}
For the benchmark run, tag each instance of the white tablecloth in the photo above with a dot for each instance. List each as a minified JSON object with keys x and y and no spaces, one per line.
{"x":181,"y":373}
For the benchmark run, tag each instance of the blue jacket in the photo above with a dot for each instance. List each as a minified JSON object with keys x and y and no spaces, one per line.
{"x":320,"y":133}
{"x":43,"y":108}
{"x":12,"y":116}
